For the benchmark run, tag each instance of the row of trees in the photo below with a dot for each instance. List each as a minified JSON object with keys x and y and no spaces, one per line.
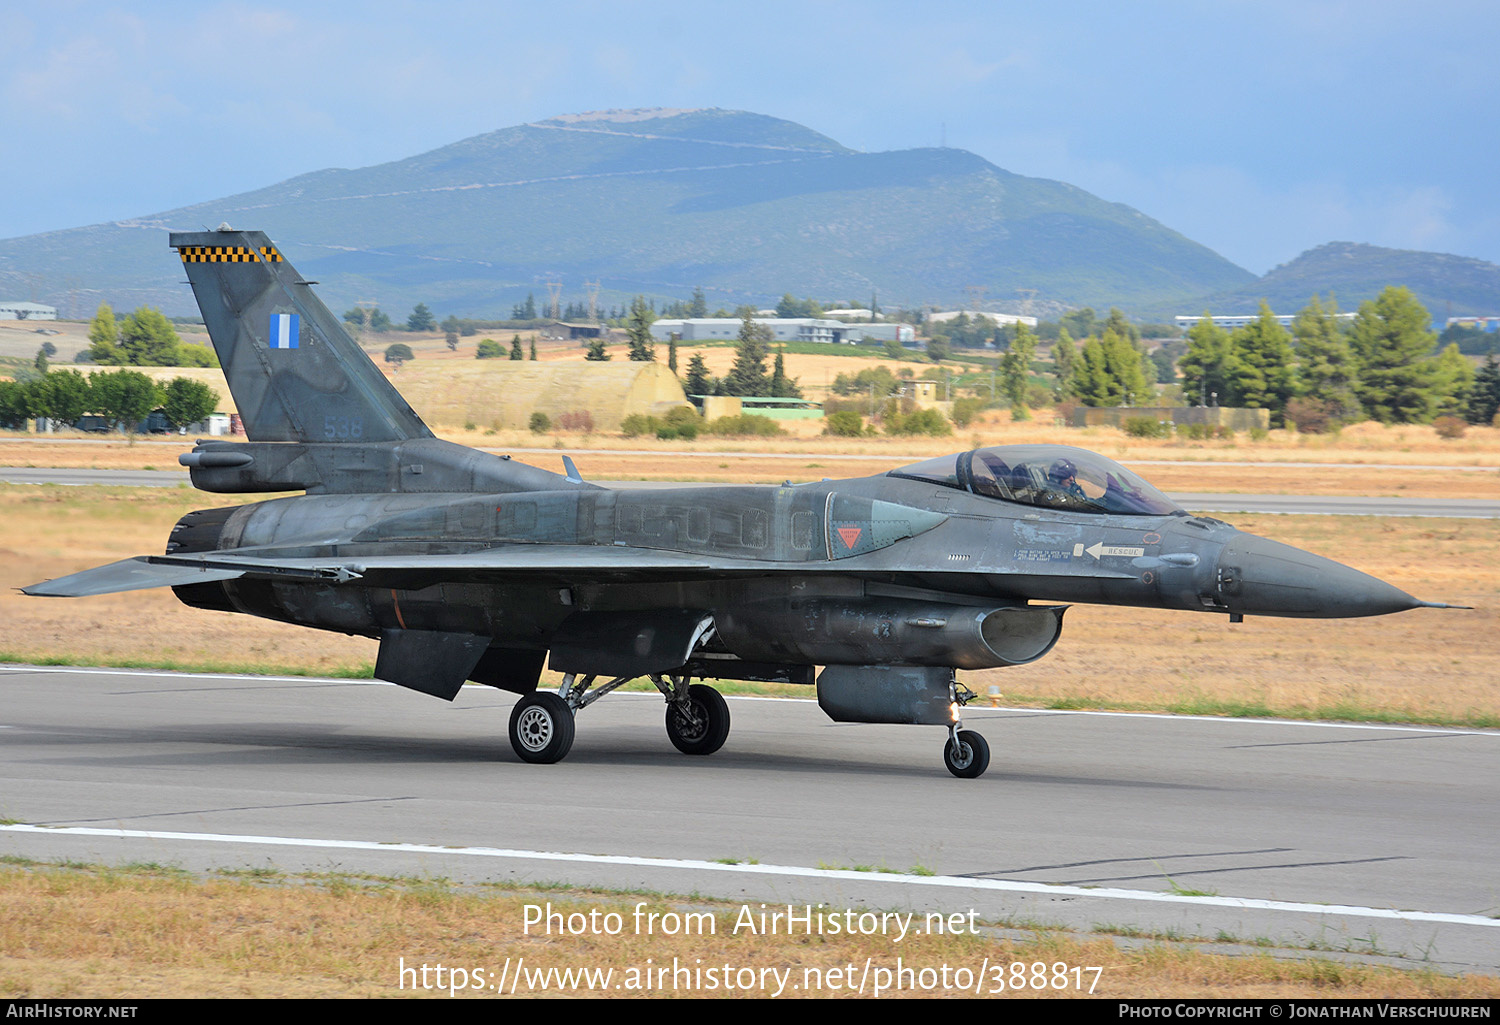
{"x":143,"y":338}
{"x":1381,"y":365}
{"x":123,"y":397}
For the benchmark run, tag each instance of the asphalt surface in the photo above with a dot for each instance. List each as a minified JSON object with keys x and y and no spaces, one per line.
{"x":1374,"y":840}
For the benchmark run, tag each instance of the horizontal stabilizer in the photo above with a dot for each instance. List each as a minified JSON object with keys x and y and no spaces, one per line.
{"x":130,"y":575}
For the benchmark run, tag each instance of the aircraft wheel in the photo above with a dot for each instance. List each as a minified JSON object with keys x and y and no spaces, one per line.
{"x":702,"y":727}
{"x":541,"y":728}
{"x":969,"y":758}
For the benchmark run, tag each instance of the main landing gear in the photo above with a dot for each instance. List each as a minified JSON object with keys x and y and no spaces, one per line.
{"x":542,"y":723}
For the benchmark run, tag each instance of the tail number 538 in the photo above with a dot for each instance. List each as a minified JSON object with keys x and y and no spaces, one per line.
{"x":340,"y":427}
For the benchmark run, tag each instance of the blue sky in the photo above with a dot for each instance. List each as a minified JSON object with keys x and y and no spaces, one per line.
{"x":1258,"y":128}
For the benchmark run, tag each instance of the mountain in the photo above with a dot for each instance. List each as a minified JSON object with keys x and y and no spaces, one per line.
{"x":656,"y":202}
{"x":1449,"y":286}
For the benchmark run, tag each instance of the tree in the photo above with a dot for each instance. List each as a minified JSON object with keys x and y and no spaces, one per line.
{"x":699,"y":306}
{"x":398,"y":353}
{"x":516,"y":352}
{"x":1264,"y":374}
{"x":1108,"y":372}
{"x":1454,"y":380}
{"x":40,"y":363}
{"x":355,"y":318}
{"x":1079,"y":323}
{"x":596,"y":353}
{"x":1484,"y":398}
{"x":1398,"y":380}
{"x":1209,"y":367}
{"x":1015,"y":370}
{"x":938,"y":348}
{"x":747,"y":376}
{"x":451,"y":328}
{"x":1064,"y":356}
{"x":188,"y":402}
{"x":698,"y":382}
{"x":672,"y":352}
{"x":64,"y":396}
{"x":782,"y":386}
{"x":421,"y":319}
{"x":1325,"y":362}
{"x":104,"y":333}
{"x":533,"y":347}
{"x":147,"y":339}
{"x":638,"y":330}
{"x":488,"y":348}
{"x":379,"y":322}
{"x":124,"y":397}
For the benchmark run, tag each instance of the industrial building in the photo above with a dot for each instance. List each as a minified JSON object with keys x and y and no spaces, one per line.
{"x":26,"y":311}
{"x":1233,"y":322}
{"x":783,"y":329}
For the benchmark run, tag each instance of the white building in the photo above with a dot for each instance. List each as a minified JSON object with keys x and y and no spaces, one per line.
{"x":1236,"y":321}
{"x":26,"y":311}
{"x":783,"y":329}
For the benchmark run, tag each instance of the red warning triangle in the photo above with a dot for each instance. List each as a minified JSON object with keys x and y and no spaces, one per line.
{"x":850,"y":536}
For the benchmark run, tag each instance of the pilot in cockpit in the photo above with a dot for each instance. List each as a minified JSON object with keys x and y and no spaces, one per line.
{"x":1062,"y":476}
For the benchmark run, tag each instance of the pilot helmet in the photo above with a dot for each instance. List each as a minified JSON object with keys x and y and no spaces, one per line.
{"x":1061,"y":470}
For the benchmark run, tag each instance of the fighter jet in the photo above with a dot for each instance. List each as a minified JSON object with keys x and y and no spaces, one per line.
{"x":469,"y":566}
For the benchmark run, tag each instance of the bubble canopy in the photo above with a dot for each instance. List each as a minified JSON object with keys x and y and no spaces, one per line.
{"x":1049,"y":476}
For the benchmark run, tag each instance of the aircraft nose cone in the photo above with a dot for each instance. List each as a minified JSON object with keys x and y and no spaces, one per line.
{"x":1258,"y":576}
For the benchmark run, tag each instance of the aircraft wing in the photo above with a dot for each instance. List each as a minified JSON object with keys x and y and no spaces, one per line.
{"x":566,"y":562}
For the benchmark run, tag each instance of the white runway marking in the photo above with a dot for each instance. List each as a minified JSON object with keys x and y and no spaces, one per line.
{"x":1243,"y":903}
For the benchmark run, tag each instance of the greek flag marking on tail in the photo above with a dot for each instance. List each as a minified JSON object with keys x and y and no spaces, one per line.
{"x":284,"y":328}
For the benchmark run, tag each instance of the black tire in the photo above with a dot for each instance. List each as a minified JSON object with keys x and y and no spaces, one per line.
{"x":704,"y":727}
{"x":541,"y":728}
{"x":971,"y":757}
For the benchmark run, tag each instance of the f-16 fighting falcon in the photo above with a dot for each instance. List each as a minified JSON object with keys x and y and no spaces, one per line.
{"x":468,"y":566}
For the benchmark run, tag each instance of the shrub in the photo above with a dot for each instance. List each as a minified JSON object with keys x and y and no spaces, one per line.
{"x":1449,"y":427}
{"x":965,"y":410}
{"x":576,"y":420}
{"x":1312,"y":416}
{"x":540,"y":423}
{"x":920,"y":421}
{"x":744,"y":425}
{"x":844,"y":424}
{"x":1144,"y":427}
{"x":637,"y":424}
{"x":680,"y":422}
{"x":488,"y":348}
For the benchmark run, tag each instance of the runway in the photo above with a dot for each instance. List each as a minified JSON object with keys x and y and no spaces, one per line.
{"x":1373,"y":839}
{"x":1306,"y":505}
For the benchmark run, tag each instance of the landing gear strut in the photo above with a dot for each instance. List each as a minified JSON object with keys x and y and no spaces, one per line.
{"x":967,"y":754}
{"x":697,"y":716}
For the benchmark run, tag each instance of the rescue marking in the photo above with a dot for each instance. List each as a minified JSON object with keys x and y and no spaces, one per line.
{"x":1099,"y":549}
{"x":850,"y":536}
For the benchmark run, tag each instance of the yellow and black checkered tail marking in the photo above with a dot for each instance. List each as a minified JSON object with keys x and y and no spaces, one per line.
{"x":269,"y":254}
{"x":221,"y":254}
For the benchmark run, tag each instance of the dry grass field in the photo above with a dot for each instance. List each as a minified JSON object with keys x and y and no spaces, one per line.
{"x":149,"y":932}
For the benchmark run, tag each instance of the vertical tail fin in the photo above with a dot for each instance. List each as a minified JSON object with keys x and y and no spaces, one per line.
{"x":295,"y":374}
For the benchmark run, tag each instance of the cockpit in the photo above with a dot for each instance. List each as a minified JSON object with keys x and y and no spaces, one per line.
{"x":1049,"y":476}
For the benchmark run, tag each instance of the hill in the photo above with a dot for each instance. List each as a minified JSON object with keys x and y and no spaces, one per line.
{"x":1449,"y":286}
{"x":655,"y":202}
